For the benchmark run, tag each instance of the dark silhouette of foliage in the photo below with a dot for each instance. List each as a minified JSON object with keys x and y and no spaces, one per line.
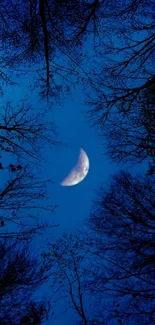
{"x":20,"y":276}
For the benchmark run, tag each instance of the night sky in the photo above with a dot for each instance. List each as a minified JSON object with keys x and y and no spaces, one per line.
{"x":74,"y":130}
{"x":74,"y":202}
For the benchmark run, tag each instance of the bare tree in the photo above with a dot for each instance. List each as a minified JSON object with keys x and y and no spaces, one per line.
{"x":20,"y":276}
{"x":23,"y":132}
{"x":72,"y":271}
{"x":128,"y":48}
{"x":123,"y":80}
{"x":23,"y":196}
{"x":23,"y":200}
{"x":131,"y":136}
{"x":106,"y":274}
{"x":41,"y":31}
{"x":123,"y":219}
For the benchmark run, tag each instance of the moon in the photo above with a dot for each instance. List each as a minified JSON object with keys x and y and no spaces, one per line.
{"x":78,"y":172}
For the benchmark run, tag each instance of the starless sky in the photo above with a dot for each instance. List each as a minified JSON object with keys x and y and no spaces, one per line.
{"x":74,"y":203}
{"x":74,"y":131}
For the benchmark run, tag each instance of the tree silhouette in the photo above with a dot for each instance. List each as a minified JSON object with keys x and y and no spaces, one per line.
{"x":128,"y":51}
{"x":123,"y":219}
{"x":131,"y":136}
{"x":23,"y":199}
{"x":23,"y":195}
{"x":20,"y":276}
{"x":72,"y":273}
{"x":41,"y":31}
{"x":23,"y":132}
{"x":123,"y":83}
{"x":110,"y":266}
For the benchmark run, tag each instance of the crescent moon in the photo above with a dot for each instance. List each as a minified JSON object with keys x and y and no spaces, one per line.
{"x":79,"y":172}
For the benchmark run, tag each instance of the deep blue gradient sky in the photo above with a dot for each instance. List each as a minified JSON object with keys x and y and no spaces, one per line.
{"x":73,"y":203}
{"x":73,"y":129}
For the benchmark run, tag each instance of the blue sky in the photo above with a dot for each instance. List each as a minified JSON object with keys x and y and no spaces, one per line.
{"x":73,"y":129}
{"x":74,"y":203}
